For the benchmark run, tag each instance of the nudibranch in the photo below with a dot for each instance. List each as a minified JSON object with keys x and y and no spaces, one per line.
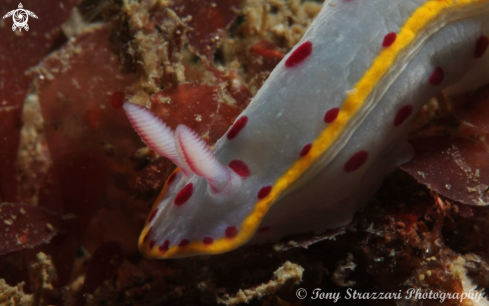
{"x":320,"y":135}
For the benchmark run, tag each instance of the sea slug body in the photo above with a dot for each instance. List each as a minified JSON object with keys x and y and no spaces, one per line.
{"x":346,"y":94}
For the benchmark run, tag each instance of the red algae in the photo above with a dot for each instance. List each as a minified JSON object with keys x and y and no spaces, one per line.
{"x":453,"y":167}
{"x":90,"y":142}
{"x":25,"y":226}
{"x":196,"y":106}
{"x":105,"y":262}
{"x":210,"y":20}
{"x":18,"y":53}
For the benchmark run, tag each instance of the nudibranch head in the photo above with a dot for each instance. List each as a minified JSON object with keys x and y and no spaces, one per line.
{"x":198,"y":210}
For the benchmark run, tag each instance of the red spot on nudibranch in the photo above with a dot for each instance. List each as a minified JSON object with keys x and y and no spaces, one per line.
{"x":237,"y":127}
{"x":264,"y":192}
{"x":356,"y":161}
{"x":481,"y":46}
{"x":231,"y":232}
{"x":305,"y":150}
{"x":299,"y":54}
{"x":171,"y":178}
{"x":331,"y":115}
{"x":402,"y":114}
{"x":389,"y":39}
{"x":240,"y":168}
{"x":152,"y":244}
{"x":184,"y":194}
{"x":263,"y":229}
{"x":153,"y":214}
{"x":117,"y":99}
{"x":183,"y":242}
{"x":437,"y":76}
{"x":165,"y":246}
{"x":208,"y":240}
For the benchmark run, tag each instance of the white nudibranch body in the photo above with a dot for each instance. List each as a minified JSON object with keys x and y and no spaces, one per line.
{"x":345,"y":94}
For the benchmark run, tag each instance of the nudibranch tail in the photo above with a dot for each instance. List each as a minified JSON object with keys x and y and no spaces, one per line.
{"x":155,"y":133}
